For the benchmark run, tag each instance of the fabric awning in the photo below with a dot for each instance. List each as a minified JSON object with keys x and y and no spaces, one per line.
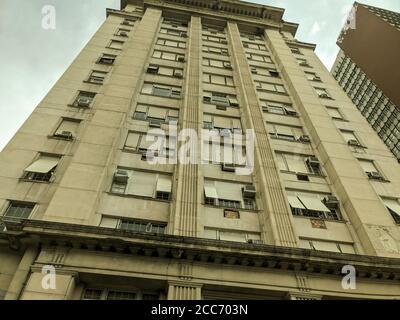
{"x":43,"y":165}
{"x":312,"y":203}
{"x":295,"y":202}
{"x":164,"y":184}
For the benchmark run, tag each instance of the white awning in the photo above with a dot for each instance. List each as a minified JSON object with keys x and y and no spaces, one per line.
{"x":109,"y":222}
{"x":210,"y":190}
{"x":232,"y":236}
{"x":229,"y":191}
{"x":43,"y":165}
{"x":164,"y":184}
{"x":325,"y":246}
{"x":295,"y":202}
{"x":313,"y":204}
{"x":142,"y":183}
{"x":393,"y":205}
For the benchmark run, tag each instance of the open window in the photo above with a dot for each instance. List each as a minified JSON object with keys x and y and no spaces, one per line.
{"x":42,"y":169}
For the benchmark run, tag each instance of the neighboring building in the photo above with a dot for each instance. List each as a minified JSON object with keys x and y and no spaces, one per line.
{"x":78,"y":191}
{"x":368,"y":69}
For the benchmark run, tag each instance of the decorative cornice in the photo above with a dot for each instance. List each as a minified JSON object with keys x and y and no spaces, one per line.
{"x":189,"y":250}
{"x":251,"y":11}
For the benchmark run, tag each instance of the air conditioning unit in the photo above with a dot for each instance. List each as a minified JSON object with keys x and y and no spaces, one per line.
{"x":249,"y":192}
{"x":273,"y":73}
{"x":178,"y":74}
{"x":331,"y":202}
{"x":220,"y":107}
{"x":374,"y":175}
{"x":303,"y":63}
{"x":154,"y":124}
{"x":245,"y":45}
{"x":83,"y":102}
{"x":313,"y":161}
{"x":228,"y":167}
{"x":291,"y":113}
{"x":65,"y":135}
{"x":305,"y":139}
{"x":228,"y":66}
{"x":323,"y":95}
{"x":106,"y":60}
{"x":152,"y":69}
{"x":224,"y":42}
{"x":317,"y":78}
{"x":123,"y":33}
{"x":225,"y":133}
{"x":181,"y":59}
{"x":220,"y":101}
{"x":252,"y":241}
{"x":121,"y":176}
{"x":207,"y":99}
{"x":183,"y":34}
{"x":254,"y":70}
{"x":353,"y":142}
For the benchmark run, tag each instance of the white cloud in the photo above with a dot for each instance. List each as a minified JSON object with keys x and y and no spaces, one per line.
{"x":315,"y":28}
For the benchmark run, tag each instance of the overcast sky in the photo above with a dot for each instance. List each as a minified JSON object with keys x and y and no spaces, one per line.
{"x":32,"y":58}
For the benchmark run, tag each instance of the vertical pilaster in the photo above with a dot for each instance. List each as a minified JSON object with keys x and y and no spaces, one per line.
{"x":185,"y":211}
{"x":21,"y":274}
{"x":183,"y":291}
{"x":276,"y":217}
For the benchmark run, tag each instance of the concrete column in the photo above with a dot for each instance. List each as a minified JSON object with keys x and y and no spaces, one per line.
{"x":185,"y":211}
{"x":21,"y":275}
{"x":276,"y":218}
{"x":183,"y":291}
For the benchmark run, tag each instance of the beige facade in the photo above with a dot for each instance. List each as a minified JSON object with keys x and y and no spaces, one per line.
{"x":76,"y":192}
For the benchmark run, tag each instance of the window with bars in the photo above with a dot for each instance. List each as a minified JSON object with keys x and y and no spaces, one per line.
{"x":19,"y":210}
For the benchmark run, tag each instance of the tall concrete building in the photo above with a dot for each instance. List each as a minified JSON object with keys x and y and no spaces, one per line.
{"x":81,"y":197}
{"x":368,"y":69}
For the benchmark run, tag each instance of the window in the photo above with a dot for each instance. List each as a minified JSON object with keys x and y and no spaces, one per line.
{"x":107,"y":59}
{"x":232,"y":235}
{"x":128,"y":22}
{"x":170,"y":43}
{"x":251,"y":37}
{"x":67,"y":129}
{"x":370,"y":169}
{"x":216,"y":63}
{"x":350,"y":138}
{"x":303,"y":62}
{"x":334,"y":113}
{"x":256,"y":57}
{"x":141,"y":142}
{"x":97,"y":77}
{"x":173,"y":32}
{"x":19,"y":210}
{"x":227,"y":195}
{"x":282,"y":132}
{"x":220,"y":100}
{"x":214,"y":39}
{"x":116,"y":44}
{"x":171,"y":56}
{"x":84,"y":99}
{"x":312,"y":206}
{"x":323,"y":93}
{"x":141,"y":226}
{"x":143,"y":184}
{"x":42,"y":169}
{"x":312,"y":76}
{"x":122,"y":32}
{"x":278,"y":88}
{"x":149,"y":113}
{"x":108,"y":294}
{"x":279,"y":108}
{"x":161,"y":91}
{"x":165,"y":71}
{"x":219,"y":122}
{"x":329,"y":246}
{"x":255,"y":46}
{"x":393,"y":206}
{"x":215,"y":50}
{"x":295,"y":50}
{"x":296,"y":163}
{"x":218,"y":79}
